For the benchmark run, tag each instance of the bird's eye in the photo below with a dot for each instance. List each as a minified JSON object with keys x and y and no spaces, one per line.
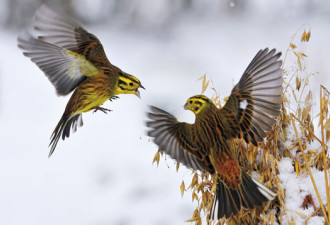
{"x":131,"y":84}
{"x":190,"y":101}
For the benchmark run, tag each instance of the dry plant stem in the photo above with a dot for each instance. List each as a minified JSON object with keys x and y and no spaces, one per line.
{"x":312,"y":215}
{"x":309,"y":130}
{"x":285,"y":209}
{"x":259,"y":218}
{"x":326,"y":90}
{"x":289,"y":83}
{"x":292,"y":38}
{"x":302,"y":91}
{"x":309,"y":169}
{"x":324,"y":157}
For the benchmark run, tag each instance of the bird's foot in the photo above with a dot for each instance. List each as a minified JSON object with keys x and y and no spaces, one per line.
{"x":101,"y":109}
{"x":113,"y":98}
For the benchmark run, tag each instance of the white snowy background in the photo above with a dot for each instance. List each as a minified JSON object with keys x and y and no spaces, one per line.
{"x":103,"y":174}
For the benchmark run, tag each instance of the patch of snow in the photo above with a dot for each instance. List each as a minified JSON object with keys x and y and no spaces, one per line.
{"x":297,"y":188}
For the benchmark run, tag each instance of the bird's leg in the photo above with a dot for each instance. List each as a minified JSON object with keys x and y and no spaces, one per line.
{"x":101,"y":109}
{"x":113,"y":98}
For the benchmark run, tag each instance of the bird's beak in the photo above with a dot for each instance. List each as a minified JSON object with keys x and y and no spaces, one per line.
{"x":186,"y":106}
{"x":137,"y":93}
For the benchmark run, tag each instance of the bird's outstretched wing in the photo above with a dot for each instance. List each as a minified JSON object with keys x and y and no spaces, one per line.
{"x":174,"y":139}
{"x":64,"y":51}
{"x":66,"y":33}
{"x":255,"y":99}
{"x":64,"y":68}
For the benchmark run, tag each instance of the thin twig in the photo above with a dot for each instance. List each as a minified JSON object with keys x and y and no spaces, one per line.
{"x":325,"y":89}
{"x":324,"y":157}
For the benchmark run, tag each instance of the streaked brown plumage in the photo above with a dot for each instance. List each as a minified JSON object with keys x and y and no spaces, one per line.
{"x":207,"y":145}
{"x":74,"y":59}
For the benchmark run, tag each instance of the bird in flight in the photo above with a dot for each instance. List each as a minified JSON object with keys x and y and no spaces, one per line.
{"x":74,"y":60}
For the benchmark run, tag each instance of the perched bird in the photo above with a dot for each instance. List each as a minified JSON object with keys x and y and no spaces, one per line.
{"x":74,"y":60}
{"x":207,"y":145}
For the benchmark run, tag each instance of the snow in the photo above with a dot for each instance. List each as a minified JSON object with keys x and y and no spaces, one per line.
{"x":103,"y":174}
{"x":296,"y":189}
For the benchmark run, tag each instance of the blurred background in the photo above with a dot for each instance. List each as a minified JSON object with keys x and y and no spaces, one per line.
{"x":103,"y":174}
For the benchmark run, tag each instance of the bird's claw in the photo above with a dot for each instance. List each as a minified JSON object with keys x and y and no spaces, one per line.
{"x":113,"y":98}
{"x":102,"y":109}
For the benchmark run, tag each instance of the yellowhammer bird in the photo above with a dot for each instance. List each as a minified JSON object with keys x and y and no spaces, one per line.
{"x":74,"y":59}
{"x":206,"y":144}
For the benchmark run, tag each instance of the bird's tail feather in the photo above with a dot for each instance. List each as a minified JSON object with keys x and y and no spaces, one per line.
{"x":249,"y":194}
{"x":63,"y":128}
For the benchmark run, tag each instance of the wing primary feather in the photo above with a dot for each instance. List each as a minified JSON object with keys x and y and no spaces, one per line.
{"x":170,"y":135}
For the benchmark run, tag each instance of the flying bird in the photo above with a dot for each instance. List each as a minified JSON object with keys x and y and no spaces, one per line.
{"x":207,"y":145}
{"x":74,"y":60}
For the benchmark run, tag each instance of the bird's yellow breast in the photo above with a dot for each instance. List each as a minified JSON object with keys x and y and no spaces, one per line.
{"x":92,"y":93}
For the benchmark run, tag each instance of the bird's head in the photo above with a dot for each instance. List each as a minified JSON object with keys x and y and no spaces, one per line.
{"x":198,"y":103}
{"x":127,"y":84}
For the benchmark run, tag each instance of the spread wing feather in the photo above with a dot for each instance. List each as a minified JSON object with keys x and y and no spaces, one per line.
{"x":173,"y":138}
{"x":256,"y":98}
{"x":65,"y":32}
{"x":64,"y":68}
{"x":64,"y":51}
